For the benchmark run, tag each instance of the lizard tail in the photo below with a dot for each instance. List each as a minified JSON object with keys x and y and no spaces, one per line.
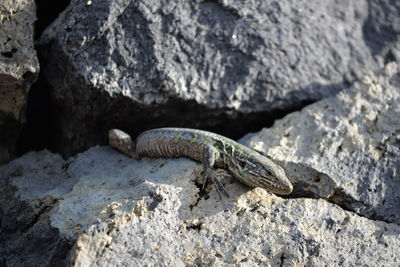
{"x":122,"y":142}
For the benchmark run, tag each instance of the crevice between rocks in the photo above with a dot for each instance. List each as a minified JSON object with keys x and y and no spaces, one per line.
{"x":40,"y":127}
{"x":44,"y":17}
{"x":310,"y":183}
{"x":47,"y":120}
{"x":202,"y":194}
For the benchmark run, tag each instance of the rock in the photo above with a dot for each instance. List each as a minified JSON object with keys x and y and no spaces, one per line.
{"x":346,"y":148}
{"x":221,"y":65}
{"x":30,"y":187}
{"x":103,"y":208}
{"x":19,"y":68}
{"x":381,"y":31}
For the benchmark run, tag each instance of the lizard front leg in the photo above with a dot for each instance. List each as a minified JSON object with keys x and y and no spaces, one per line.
{"x":208,"y":156}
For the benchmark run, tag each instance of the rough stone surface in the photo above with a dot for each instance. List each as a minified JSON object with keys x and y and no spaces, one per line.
{"x":19,"y":68}
{"x":142,"y":64}
{"x":119,"y":211}
{"x":381,"y":29}
{"x":345,"y":149}
{"x":30,"y":188}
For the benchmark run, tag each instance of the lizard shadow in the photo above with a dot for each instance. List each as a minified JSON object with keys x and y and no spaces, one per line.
{"x":174,"y":185}
{"x":184,"y":178}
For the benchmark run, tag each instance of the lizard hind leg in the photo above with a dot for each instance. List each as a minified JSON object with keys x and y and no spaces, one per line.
{"x":122,"y":141}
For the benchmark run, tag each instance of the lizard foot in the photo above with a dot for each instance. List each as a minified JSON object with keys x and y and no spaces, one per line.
{"x":215,"y":176}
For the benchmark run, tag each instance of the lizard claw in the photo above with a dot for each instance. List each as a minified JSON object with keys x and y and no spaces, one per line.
{"x":215,"y":177}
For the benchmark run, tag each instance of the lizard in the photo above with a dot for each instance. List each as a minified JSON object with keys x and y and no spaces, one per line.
{"x":212,"y":150}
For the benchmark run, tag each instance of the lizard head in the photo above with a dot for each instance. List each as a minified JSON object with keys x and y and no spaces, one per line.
{"x":259,"y":171}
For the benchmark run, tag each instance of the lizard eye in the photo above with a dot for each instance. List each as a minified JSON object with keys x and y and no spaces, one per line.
{"x":268,"y":173}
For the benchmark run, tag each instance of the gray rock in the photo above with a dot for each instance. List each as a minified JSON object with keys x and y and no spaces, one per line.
{"x":30,"y":187}
{"x":141,"y":64}
{"x":345,"y":149}
{"x":118,"y":211}
{"x":19,"y":68}
{"x":381,"y":31}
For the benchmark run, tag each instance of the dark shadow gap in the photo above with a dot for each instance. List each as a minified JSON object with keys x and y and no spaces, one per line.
{"x":38,"y":132}
{"x":47,"y":11}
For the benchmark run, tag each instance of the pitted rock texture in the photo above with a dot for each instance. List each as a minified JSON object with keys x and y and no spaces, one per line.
{"x":381,"y":31}
{"x":30,"y":187}
{"x":137,"y":65}
{"x":104,"y":208}
{"x":345,"y":148}
{"x":19,"y":68}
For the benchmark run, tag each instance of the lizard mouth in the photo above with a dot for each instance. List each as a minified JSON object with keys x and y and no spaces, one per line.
{"x":283,"y":187}
{"x":283,"y":190}
{"x":277,"y":184}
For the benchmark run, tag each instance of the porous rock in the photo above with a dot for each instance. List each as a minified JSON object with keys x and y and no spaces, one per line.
{"x":346,"y":148}
{"x":30,"y":188}
{"x":19,"y":68}
{"x":108,"y":209}
{"x":200,"y":64}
